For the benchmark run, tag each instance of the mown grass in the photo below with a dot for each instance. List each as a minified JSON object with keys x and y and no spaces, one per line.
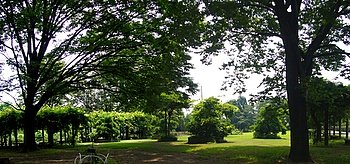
{"x":245,"y":149}
{"x":238,"y":149}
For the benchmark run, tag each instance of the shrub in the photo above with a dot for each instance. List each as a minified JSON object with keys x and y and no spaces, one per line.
{"x":199,"y":140}
{"x":167,"y":138}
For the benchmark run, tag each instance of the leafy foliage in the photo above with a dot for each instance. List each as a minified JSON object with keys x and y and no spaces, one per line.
{"x":245,"y":117}
{"x":115,"y":126}
{"x":58,"y":118}
{"x":105,"y":125}
{"x":208,"y":120}
{"x":324,"y":94}
{"x":327,"y":102}
{"x":286,"y":41}
{"x":254,"y":29}
{"x":270,"y":121}
{"x":11,"y":120}
{"x":134,"y":49}
{"x":12,"y":116}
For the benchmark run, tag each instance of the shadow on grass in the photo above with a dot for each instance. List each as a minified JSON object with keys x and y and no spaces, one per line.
{"x":195,"y":153}
{"x":146,"y":151}
{"x":334,"y":153}
{"x":212,"y":152}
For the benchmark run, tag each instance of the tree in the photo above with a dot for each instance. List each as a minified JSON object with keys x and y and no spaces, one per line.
{"x":4,"y":106}
{"x":208,"y":121}
{"x":245,"y":117}
{"x":161,"y":64}
{"x":29,"y":30}
{"x":294,"y":37}
{"x":270,"y":121}
{"x":326,"y":100}
{"x":95,"y":99}
{"x":320,"y":97}
{"x":172,"y":105}
{"x":57,"y":47}
{"x":183,"y":123}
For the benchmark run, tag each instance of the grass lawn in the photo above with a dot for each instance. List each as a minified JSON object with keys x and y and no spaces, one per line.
{"x":238,"y":149}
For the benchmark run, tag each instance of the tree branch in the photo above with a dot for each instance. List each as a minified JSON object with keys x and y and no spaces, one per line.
{"x":320,"y":37}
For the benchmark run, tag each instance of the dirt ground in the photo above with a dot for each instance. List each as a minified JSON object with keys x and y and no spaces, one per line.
{"x":120,"y":157}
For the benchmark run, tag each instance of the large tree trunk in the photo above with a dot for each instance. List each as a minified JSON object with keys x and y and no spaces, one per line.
{"x":299,"y":150}
{"x":29,"y":130}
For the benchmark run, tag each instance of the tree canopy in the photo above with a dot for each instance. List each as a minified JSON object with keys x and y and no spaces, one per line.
{"x":136,"y":50}
{"x":326,"y":101}
{"x":60,"y":47}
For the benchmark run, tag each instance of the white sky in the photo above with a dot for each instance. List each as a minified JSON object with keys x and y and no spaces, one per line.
{"x":211,"y":79}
